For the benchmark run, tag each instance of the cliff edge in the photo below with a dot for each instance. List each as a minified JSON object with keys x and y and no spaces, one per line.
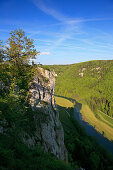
{"x":49,"y":131}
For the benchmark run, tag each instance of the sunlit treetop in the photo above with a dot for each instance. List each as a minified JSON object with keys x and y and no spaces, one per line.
{"x":19,"y":49}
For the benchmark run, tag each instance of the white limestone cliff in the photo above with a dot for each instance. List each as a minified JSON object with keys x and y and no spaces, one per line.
{"x":49,"y":131}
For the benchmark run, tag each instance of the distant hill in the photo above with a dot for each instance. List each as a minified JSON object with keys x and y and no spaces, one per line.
{"x":91,"y":82}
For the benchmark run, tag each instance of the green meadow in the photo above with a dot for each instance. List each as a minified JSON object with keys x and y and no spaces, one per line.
{"x":100,"y":122}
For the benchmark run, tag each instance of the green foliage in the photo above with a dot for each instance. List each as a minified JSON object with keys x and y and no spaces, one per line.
{"x":19,"y":117}
{"x":95,"y":86}
{"x":1,"y":52}
{"x":45,"y":67}
{"x":19,"y":48}
{"x":16,"y":155}
{"x":15,"y":71}
{"x":16,"y":115}
{"x":82,"y":149}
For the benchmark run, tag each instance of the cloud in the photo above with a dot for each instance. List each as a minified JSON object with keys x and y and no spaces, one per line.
{"x":88,"y":39}
{"x":60,"y":17}
{"x":70,"y":26}
{"x":48,"y":10}
{"x":82,"y":20}
{"x":45,"y":53}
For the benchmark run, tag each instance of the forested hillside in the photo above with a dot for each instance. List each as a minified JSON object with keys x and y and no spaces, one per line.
{"x":91,"y":82}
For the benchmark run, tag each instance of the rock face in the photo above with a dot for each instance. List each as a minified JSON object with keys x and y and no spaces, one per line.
{"x":42,"y":89}
{"x":49,"y":132}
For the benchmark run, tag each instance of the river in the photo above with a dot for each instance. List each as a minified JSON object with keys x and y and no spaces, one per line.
{"x":92,"y":132}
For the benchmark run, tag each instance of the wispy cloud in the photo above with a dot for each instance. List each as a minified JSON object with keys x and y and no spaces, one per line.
{"x":45,"y":53}
{"x":60,"y":17}
{"x":48,"y":10}
{"x":83,"y":41}
{"x":82,"y":20}
{"x":71,"y":26}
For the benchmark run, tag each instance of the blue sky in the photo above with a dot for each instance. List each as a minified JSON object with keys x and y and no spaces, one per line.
{"x":64,"y":31}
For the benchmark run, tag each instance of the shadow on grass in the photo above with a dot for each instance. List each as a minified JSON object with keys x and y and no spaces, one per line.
{"x":76,"y":103}
{"x":90,"y":130}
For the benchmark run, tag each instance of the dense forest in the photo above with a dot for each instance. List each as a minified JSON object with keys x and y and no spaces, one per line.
{"x":91,"y":82}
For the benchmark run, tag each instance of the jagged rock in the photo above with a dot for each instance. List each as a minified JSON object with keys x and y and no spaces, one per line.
{"x":42,"y":88}
{"x":49,"y":131}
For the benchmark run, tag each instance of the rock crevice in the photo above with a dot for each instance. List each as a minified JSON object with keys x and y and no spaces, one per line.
{"x":49,"y":131}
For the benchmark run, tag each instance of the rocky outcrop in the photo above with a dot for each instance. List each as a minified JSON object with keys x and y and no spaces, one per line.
{"x":49,"y":132}
{"x":42,"y":88}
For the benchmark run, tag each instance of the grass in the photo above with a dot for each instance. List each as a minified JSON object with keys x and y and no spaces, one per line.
{"x":110,"y":120}
{"x":65,"y":105}
{"x":101,"y":124}
{"x":78,"y":143}
{"x":64,"y":118}
{"x":103,"y":118}
{"x":63,"y":102}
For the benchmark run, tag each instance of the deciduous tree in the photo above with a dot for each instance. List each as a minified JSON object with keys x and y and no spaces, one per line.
{"x":19,"y":48}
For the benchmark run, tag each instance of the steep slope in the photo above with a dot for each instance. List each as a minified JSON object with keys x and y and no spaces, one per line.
{"x":30,"y":122}
{"x":49,"y":132}
{"x":91,"y":85}
{"x":89,"y":81}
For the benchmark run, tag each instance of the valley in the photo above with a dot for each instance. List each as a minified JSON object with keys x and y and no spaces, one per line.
{"x":90,"y":85}
{"x":81,"y":139}
{"x":88,"y":120}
